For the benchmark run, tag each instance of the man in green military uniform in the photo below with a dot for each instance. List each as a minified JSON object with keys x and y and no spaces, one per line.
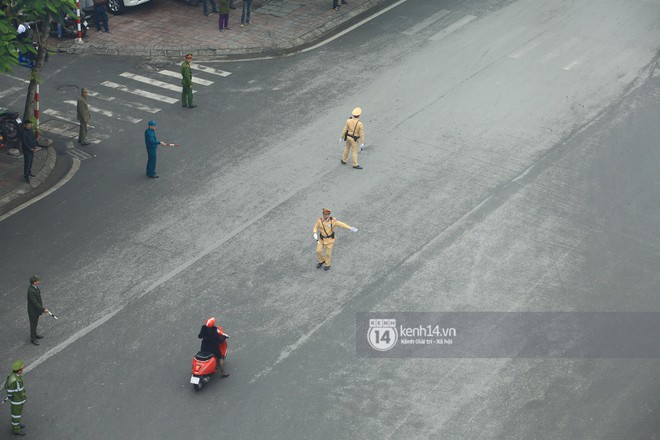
{"x":82,"y":110}
{"x":186,"y":82}
{"x":16,"y":395}
{"x":35,"y":307}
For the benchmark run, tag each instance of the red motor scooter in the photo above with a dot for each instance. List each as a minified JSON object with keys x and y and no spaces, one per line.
{"x":205,"y":365}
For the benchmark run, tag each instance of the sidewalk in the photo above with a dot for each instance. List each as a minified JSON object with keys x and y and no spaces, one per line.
{"x":12,"y":185}
{"x":173,"y":28}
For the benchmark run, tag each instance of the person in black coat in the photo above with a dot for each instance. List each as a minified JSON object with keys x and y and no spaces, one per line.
{"x":212,"y":337}
{"x":29,"y":146}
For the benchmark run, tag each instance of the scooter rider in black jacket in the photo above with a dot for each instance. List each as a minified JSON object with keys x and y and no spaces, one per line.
{"x":212,"y":337}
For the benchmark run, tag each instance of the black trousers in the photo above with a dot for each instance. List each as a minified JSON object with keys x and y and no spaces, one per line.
{"x":27,"y":163}
{"x":34,"y":320}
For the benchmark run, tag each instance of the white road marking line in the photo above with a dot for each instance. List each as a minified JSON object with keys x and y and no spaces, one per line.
{"x":210,"y":70}
{"x":572,"y":64}
{"x":17,"y":79}
{"x":508,"y":36}
{"x":139,"y":92}
{"x":59,"y":115}
{"x":316,"y":46}
{"x":347,"y":30}
{"x":63,"y":117}
{"x":10,"y":90}
{"x":108,"y":113}
{"x":79,"y":154}
{"x":151,"y":82}
{"x":559,"y":50}
{"x":71,"y":132}
{"x":196,"y":80}
{"x":58,"y":185}
{"x":135,"y":105}
{"x":452,"y":27}
{"x":526,"y":48}
{"x":426,"y":23}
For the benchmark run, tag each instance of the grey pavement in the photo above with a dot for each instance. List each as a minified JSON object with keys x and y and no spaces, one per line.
{"x":173,"y":28}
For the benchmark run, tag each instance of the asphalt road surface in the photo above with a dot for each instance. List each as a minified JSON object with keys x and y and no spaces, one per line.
{"x":511,"y":165}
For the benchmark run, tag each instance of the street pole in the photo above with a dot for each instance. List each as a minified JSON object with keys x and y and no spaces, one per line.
{"x":78,"y":21}
{"x":36,"y":112}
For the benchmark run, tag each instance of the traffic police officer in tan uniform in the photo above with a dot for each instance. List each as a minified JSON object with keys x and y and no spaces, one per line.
{"x":324,"y":234}
{"x":352,"y":133}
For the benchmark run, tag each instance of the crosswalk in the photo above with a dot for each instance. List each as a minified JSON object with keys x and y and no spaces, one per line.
{"x":554,"y":50}
{"x":130,"y":98}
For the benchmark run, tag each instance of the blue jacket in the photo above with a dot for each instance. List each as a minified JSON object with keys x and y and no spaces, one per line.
{"x":150,"y":139}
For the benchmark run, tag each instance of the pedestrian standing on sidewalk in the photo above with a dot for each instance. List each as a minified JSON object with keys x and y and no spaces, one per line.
{"x":223,"y":10}
{"x":186,"y":83}
{"x":29,"y":146}
{"x":324,"y":234}
{"x":245,"y":16}
{"x":16,"y":395}
{"x":336,"y":4}
{"x":214,"y":8}
{"x":35,"y":307}
{"x":83,"y":116}
{"x":352,"y":133}
{"x":100,"y":7}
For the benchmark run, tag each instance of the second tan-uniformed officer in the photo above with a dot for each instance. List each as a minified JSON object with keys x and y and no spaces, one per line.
{"x":352,"y":133}
{"x":324,"y":234}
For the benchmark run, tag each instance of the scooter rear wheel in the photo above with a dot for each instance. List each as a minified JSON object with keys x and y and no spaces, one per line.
{"x":199,"y":386}
{"x":9,"y":128}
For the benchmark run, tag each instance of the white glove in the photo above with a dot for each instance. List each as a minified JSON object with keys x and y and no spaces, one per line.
{"x":353,"y":229}
{"x":340,"y":140}
{"x":362,"y":145}
{"x":316,"y":236}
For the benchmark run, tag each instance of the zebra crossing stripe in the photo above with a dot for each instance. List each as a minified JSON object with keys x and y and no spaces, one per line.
{"x":426,"y":23}
{"x":196,"y":80}
{"x":151,"y":82}
{"x":68,"y":133}
{"x":10,"y":90}
{"x":452,"y":27}
{"x":78,"y":154}
{"x":210,"y":70}
{"x":135,"y":105}
{"x":139,"y":92}
{"x":108,"y":113}
{"x":62,"y":116}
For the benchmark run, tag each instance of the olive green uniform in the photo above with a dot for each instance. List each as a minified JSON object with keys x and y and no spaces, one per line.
{"x":186,"y":82}
{"x":326,"y":231}
{"x":352,"y":133}
{"x":83,"y":116}
{"x":16,"y":394}
{"x":35,"y":309}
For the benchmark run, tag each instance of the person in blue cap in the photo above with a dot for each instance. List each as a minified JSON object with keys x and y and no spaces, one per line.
{"x":152,"y":146}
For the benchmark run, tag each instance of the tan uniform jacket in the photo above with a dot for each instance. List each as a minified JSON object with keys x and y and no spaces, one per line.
{"x":327,"y":228}
{"x":355,"y":128}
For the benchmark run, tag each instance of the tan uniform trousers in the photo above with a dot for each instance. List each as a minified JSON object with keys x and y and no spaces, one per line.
{"x":327,"y":245}
{"x":350,"y":144}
